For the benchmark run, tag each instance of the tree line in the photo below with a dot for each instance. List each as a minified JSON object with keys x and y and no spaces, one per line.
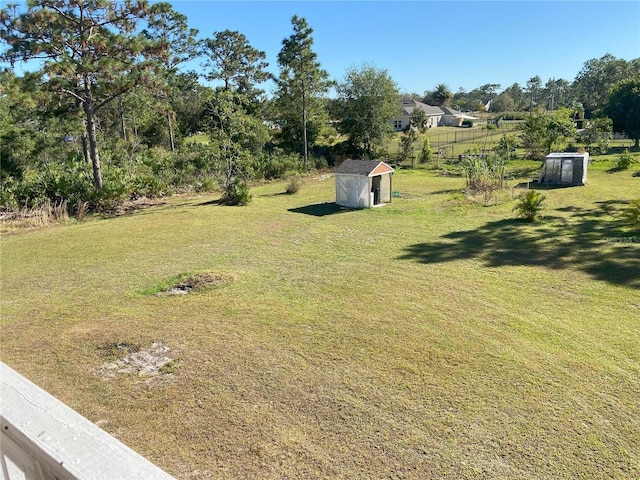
{"x":110,"y":115}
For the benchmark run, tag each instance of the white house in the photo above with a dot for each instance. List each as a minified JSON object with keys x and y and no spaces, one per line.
{"x":407,"y":107}
{"x":363,"y":183}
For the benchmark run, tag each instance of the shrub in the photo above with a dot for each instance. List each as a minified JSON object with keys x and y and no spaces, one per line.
{"x":530,"y":205}
{"x":467,"y":123}
{"x":275,"y":165}
{"x":625,"y":160}
{"x":484,"y":175}
{"x":237,"y":193}
{"x":426,"y":154}
{"x":632,"y":214}
{"x":293,"y":186}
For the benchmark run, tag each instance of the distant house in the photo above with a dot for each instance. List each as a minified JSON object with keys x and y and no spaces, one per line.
{"x":454,"y":118}
{"x":363,"y":183}
{"x":407,"y":107}
{"x":564,"y":169}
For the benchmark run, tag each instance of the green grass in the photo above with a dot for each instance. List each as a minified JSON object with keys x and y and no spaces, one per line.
{"x":430,"y":338}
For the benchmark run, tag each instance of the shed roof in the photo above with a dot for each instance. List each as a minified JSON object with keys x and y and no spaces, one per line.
{"x":568,"y":155}
{"x":368,"y":168}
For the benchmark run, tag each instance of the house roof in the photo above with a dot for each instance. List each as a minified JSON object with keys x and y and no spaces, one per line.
{"x":369,"y":168}
{"x":408,"y":106}
{"x":456,"y":113}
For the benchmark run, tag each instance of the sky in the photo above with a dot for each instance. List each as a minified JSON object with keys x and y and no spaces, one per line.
{"x":423,"y":43}
{"x":463,"y":44}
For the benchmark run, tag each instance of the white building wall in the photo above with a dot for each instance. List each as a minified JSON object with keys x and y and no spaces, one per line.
{"x":353,"y":191}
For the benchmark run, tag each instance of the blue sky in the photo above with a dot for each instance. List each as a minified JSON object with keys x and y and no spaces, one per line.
{"x":423,"y":43}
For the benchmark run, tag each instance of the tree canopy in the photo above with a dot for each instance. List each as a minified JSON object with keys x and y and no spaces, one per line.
{"x":92,"y":53}
{"x":623,"y":107}
{"x":302,"y":85}
{"x":367,"y":102}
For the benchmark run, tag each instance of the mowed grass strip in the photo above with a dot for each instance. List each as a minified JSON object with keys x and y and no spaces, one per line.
{"x":430,"y":338}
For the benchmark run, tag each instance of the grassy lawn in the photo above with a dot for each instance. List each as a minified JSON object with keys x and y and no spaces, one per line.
{"x":430,"y":338}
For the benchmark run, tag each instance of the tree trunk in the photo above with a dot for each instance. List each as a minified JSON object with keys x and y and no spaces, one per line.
{"x":93,"y":145}
{"x":304,"y":126}
{"x":123,"y":126}
{"x":85,"y":144}
{"x":171,"y":138}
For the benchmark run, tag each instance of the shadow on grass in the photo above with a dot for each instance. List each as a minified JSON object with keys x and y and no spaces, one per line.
{"x":321,"y":209}
{"x":217,"y":201}
{"x":535,"y":185}
{"x":589,"y":240}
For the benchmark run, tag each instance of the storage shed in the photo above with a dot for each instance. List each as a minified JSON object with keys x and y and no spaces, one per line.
{"x":363,"y":183}
{"x":564,"y":169}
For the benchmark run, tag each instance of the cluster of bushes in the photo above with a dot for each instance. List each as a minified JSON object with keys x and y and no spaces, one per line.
{"x":149,"y":173}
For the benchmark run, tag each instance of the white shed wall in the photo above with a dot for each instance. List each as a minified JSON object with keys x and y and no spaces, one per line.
{"x":353,"y":191}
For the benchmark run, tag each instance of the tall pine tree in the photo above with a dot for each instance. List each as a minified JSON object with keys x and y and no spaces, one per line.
{"x":302,"y":84}
{"x":91,"y":53}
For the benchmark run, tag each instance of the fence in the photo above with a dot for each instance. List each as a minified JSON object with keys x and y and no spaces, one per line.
{"x":443,"y":143}
{"x":43,"y":439}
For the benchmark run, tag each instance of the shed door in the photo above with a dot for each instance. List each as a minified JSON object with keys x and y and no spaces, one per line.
{"x":567,"y":171}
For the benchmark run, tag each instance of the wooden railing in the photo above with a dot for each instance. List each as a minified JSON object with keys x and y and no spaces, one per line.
{"x":43,"y":439}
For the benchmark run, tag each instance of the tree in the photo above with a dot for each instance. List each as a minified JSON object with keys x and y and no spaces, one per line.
{"x":301,"y":85}
{"x":235,"y":136}
{"x":596,"y":78}
{"x":623,"y":107}
{"x":418,"y":120}
{"x":599,"y":132}
{"x":18,"y":130}
{"x":407,"y":141}
{"x":517,"y":94}
{"x":534,"y":84}
{"x":460,"y":99}
{"x":489,"y":90}
{"x":560,"y":127}
{"x":91,"y":52}
{"x":167,"y":25}
{"x":235,"y":62}
{"x":441,"y":95}
{"x":542,"y":131}
{"x":368,"y":101}
{"x":503,"y":103}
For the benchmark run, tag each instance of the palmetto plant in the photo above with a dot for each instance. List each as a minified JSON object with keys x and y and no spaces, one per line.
{"x":530,"y":205}
{"x":632,"y":214}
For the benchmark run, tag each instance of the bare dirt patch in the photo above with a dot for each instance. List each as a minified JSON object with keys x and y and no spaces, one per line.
{"x":144,"y":362}
{"x":192,"y":283}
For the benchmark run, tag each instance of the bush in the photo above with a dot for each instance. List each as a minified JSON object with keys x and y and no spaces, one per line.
{"x":514,"y":115}
{"x":632,"y":214}
{"x":293,"y":186}
{"x":625,"y":160}
{"x":237,"y":193}
{"x":484,"y":175}
{"x":275,"y":165}
{"x":530,"y":205}
{"x":426,"y":154}
{"x":467,"y":123}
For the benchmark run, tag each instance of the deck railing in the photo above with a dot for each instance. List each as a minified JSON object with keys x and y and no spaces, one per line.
{"x":41,"y":438}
